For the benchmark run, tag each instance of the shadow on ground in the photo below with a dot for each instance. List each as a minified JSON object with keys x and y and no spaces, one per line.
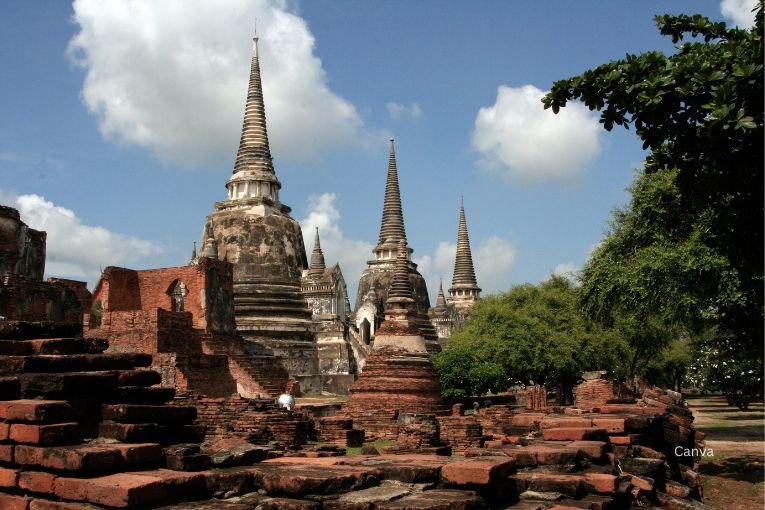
{"x":746,"y":468}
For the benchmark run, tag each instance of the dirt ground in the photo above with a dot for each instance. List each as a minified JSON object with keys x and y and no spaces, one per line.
{"x":733,"y":474}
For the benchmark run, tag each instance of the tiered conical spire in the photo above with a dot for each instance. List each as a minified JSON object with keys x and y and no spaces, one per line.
{"x":464,"y":274}
{"x":254,"y":152}
{"x":401,"y":287}
{"x":441,"y":299}
{"x":317,"y":258}
{"x":254,"y":175}
{"x":392,"y":227}
{"x":464,"y":290}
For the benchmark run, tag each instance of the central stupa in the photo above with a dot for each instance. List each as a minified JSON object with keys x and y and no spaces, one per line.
{"x":254,"y":231}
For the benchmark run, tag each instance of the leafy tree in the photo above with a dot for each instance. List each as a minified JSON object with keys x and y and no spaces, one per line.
{"x":689,"y":248}
{"x":531,"y":335}
{"x":670,"y":368}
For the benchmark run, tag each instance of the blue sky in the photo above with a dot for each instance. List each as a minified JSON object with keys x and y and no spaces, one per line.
{"x":121,"y":120}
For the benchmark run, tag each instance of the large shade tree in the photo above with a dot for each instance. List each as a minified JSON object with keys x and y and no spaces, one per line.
{"x":532,"y":334}
{"x":688,"y":250}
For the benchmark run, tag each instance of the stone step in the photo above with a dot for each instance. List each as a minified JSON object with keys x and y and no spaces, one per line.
{"x":68,"y":385}
{"x":10,"y":389}
{"x":50,"y":363}
{"x":571,"y":485}
{"x":88,"y":457}
{"x":143,"y":395}
{"x":301,"y":479}
{"x":138,"y":377}
{"x":37,"y":411}
{"x":574,"y":434}
{"x":136,"y":413}
{"x":133,"y":489}
{"x":50,"y":434}
{"x":152,"y":432}
{"x":539,"y":454}
{"x":478,"y":471}
{"x":52,"y":346}
{"x":436,"y":499}
{"x":25,"y":330}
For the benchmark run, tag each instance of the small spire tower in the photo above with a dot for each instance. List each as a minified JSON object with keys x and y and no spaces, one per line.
{"x":464,"y":290}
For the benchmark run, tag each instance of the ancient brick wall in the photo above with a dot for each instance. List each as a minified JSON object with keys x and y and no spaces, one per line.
{"x":29,"y":299}
{"x":256,"y":420}
{"x":22,"y":249}
{"x":208,"y":292}
{"x":118,"y":290}
{"x":593,"y":393}
{"x":80,"y":289}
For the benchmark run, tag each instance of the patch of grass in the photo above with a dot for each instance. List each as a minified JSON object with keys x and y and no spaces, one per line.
{"x":379,"y":444}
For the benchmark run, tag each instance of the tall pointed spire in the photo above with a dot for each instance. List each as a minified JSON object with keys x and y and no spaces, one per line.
{"x":464,"y":285}
{"x":392,"y":226}
{"x":317,"y":258}
{"x":254,"y":152}
{"x":254,"y":175}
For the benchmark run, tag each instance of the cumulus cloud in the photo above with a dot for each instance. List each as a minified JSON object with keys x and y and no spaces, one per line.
{"x":402,"y":111}
{"x":75,"y":250}
{"x":493,"y":260}
{"x":172,"y":76}
{"x":739,"y":12}
{"x":568,"y":270}
{"x":352,"y":255}
{"x":525,"y":142}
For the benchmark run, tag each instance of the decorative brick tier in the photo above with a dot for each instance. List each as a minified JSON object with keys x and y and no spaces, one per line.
{"x":393,"y":381}
{"x":593,"y":393}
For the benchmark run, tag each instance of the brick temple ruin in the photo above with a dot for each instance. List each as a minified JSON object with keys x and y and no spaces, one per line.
{"x":157,"y":391}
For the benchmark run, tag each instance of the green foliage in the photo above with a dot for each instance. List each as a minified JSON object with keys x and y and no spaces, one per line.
{"x":689,"y":248}
{"x":530,"y":334}
{"x":96,"y":311}
{"x":669,"y":369}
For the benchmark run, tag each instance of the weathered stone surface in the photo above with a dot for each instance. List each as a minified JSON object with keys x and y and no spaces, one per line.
{"x":437,"y":499}
{"x":36,"y":411}
{"x":240,"y":455}
{"x":311,"y":479}
{"x":86,"y":457}
{"x":59,"y":433}
{"x":574,"y":434}
{"x":39,"y":482}
{"x":365,"y":499}
{"x":478,"y":471}
{"x":135,"y":413}
{"x":124,"y":490}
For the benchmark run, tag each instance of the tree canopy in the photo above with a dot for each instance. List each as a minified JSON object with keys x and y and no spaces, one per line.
{"x":688,"y":249}
{"x":529,"y":335}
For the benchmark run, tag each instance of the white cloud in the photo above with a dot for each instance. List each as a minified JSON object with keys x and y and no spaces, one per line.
{"x":568,"y":270}
{"x":75,"y":250}
{"x":401,"y":111}
{"x":739,"y":12}
{"x":518,"y":137}
{"x":172,"y":76}
{"x":493,"y":259}
{"x":352,"y":255}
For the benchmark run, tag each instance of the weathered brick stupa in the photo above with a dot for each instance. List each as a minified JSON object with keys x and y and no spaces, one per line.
{"x":376,"y":279}
{"x":399,"y":376}
{"x":254,"y":230}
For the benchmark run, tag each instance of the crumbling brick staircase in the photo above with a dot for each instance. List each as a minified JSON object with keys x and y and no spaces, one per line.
{"x":74,"y":419}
